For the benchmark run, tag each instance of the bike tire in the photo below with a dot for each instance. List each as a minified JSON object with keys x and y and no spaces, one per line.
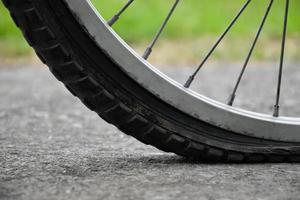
{"x":90,"y":74}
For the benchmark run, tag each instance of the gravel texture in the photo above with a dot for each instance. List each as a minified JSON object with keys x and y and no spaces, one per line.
{"x":52,"y":147}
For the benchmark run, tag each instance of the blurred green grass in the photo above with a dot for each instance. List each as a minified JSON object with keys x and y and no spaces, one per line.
{"x":12,"y":43}
{"x":193,"y":19}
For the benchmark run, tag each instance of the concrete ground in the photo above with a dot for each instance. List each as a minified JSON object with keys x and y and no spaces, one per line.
{"x":52,"y":147}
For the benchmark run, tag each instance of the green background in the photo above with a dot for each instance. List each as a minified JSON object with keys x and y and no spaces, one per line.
{"x":192,"y":19}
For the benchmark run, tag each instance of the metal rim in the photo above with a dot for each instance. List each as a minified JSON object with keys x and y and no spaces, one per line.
{"x":205,"y":109}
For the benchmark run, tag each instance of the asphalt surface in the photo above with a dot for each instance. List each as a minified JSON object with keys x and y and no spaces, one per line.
{"x":52,"y":147}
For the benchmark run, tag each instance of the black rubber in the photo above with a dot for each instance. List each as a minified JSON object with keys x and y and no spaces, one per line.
{"x":74,"y":58}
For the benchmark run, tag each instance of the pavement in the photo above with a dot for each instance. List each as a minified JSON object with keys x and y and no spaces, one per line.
{"x":52,"y":147}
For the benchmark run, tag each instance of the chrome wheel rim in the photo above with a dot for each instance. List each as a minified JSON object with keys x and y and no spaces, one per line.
{"x":198,"y":106}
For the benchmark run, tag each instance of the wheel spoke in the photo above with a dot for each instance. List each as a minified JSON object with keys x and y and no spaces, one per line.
{"x":277,"y":106}
{"x":192,"y":77}
{"x":116,"y":17}
{"x":233,"y":94}
{"x":148,"y":51}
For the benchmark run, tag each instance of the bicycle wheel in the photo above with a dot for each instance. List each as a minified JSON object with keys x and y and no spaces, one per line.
{"x":96,"y":65}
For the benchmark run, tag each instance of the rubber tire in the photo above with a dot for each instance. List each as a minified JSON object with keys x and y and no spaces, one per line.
{"x":91,"y":75}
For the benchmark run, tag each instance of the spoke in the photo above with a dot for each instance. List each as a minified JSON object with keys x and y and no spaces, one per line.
{"x":192,"y":77}
{"x":233,"y":94}
{"x":116,"y":17}
{"x":148,"y":51}
{"x":277,"y":107}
